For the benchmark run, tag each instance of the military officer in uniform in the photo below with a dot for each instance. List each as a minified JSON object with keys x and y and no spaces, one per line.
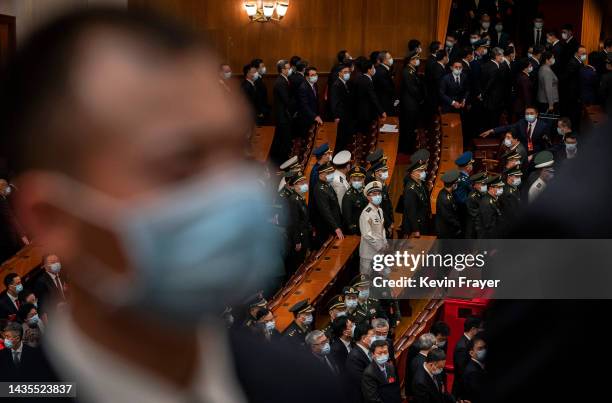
{"x":336,"y":308}
{"x":373,"y":159}
{"x":465,"y":163}
{"x":301,"y":325}
{"x":539,"y":179}
{"x":490,"y":212}
{"x":299,"y":229}
{"x":473,"y":226}
{"x":511,"y":159}
{"x":291,"y":165}
{"x":448,"y":224}
{"x":381,"y":174}
{"x":367,"y":307}
{"x":325,"y":213}
{"x":351,"y":301}
{"x":354,"y":201}
{"x":341,"y":162}
{"x":323,"y":155}
{"x":253,"y":303}
{"x":510,"y":200}
{"x":371,"y":225}
{"x":417,"y":207}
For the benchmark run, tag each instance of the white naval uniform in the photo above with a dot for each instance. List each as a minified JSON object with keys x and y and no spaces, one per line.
{"x":373,"y":236}
{"x":536,"y":188}
{"x":340,"y":186}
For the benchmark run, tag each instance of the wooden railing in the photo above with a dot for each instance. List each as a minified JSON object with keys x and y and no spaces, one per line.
{"x":261,"y":141}
{"x":451,"y":148}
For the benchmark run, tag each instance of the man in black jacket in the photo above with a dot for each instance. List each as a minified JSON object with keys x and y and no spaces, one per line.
{"x":358,"y":360}
{"x":308,"y":101}
{"x":474,"y":377}
{"x":448,"y":224}
{"x":454,"y":89}
{"x":369,"y":108}
{"x":263,"y":111}
{"x":326,"y":215}
{"x":20,"y":362}
{"x":434,"y":75}
{"x":341,"y":106}
{"x":9,"y":298}
{"x":426,"y":386}
{"x":492,"y":87}
{"x":571,"y":104}
{"x":249,"y":89}
{"x":299,"y":229}
{"x":281,"y":146}
{"x":532,"y":132}
{"x":354,"y":201}
{"x":383,"y":82}
{"x":49,"y":285}
{"x":471,"y":327}
{"x":417,"y":206}
{"x":380,"y":383}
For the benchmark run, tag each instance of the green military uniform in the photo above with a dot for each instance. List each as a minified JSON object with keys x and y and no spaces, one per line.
{"x":472,"y":225}
{"x":295,"y":334}
{"x":326,"y":215}
{"x":353,"y":203}
{"x":355,"y":315}
{"x":448,"y":224}
{"x":367,"y":308}
{"x":336,"y":302}
{"x":510,"y":200}
{"x":299,"y":230}
{"x":254,"y":301}
{"x":490,"y":212}
{"x":417,"y":206}
{"x":374,"y":159}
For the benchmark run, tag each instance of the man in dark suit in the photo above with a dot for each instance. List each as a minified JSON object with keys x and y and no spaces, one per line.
{"x":571,"y":103}
{"x":474,"y":376}
{"x":569,"y":45}
{"x":250,"y":91}
{"x":20,"y":362}
{"x":452,"y":46}
{"x":325,"y":214}
{"x":556,"y":48}
{"x":383,"y":82}
{"x":536,"y":35}
{"x":534,"y":133}
{"x":281,"y":146}
{"x":358,"y":360}
{"x":492,"y":87}
{"x":471,"y":327}
{"x":261,"y":91}
{"x":369,"y":108}
{"x":500,"y":38}
{"x":534,"y":59}
{"x":426,"y":386}
{"x":341,"y":107}
{"x":415,"y":361}
{"x":49,"y":285}
{"x":164,"y":312}
{"x":412,"y":102}
{"x":437,"y":70}
{"x":380,"y":382}
{"x":523,"y":86}
{"x":604,"y":55}
{"x":342,"y":340}
{"x":308,"y":101}
{"x":454,"y":89}
{"x":9,"y":301}
{"x":319,"y":347}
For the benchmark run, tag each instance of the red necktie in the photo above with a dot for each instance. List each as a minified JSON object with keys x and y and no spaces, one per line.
{"x":529,"y":143}
{"x":17,"y":304}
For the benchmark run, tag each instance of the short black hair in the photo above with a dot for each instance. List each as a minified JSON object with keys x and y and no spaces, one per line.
{"x":552,"y":32}
{"x":413,"y":44}
{"x":471,"y":322}
{"x":374,"y":55}
{"x":256,"y":62}
{"x":301,"y":65}
{"x":341,"y":55}
{"x":24,"y":311}
{"x":608,"y":43}
{"x":309,"y":69}
{"x":361,"y":330}
{"x":9,"y":278}
{"x":246,"y":68}
{"x":434,"y":46}
{"x":547,"y":56}
{"x":441,"y":54}
{"x":261,"y":312}
{"x":338,"y":325}
{"x":478,"y":337}
{"x":440,"y":328}
{"x":567,"y":27}
{"x":435,"y":355}
{"x":565,"y":121}
{"x":538,"y":49}
{"x":36,"y":96}
{"x":366,"y":66}
{"x":294,"y":59}
{"x":378,"y":343}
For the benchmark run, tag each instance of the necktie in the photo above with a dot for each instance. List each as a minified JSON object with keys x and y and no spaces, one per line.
{"x":529,"y":143}
{"x":457,"y":80}
{"x":16,"y":358}
{"x":537,"y":36}
{"x":17,"y":304}
{"x":58,"y":284}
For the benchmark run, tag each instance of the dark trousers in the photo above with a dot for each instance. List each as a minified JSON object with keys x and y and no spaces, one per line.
{"x":281,"y":145}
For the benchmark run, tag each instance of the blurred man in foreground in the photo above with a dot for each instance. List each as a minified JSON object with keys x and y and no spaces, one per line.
{"x":128,"y":155}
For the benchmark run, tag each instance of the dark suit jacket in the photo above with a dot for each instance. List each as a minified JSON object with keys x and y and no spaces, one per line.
{"x":339,"y":353}
{"x":568,"y":49}
{"x":460,"y":360}
{"x":502,"y":41}
{"x":474,"y":380}
{"x":46,"y":291}
{"x":385,"y":88}
{"x":282,"y":101}
{"x":7,"y":308}
{"x":33,"y":366}
{"x":295,"y":81}
{"x":261,"y":92}
{"x":540,"y":136}
{"x":412,"y":91}
{"x":557,"y":50}
{"x":426,"y":391}
{"x":433,"y":77}
{"x":450,"y":91}
{"x":250,"y":92}
{"x":412,"y":368}
{"x":356,"y":363}
{"x":524,"y":92}
{"x":378,"y":387}
{"x":530,"y":37}
{"x":307,"y":104}
{"x":492,"y":86}
{"x":571,"y":80}
{"x":340,"y":101}
{"x":369,"y":107}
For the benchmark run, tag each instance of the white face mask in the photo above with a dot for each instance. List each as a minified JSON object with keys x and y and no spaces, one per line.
{"x":538,"y":25}
{"x":486,"y":25}
{"x":313,"y":79}
{"x":346,"y":76}
{"x":227,"y":75}
{"x":564,"y":36}
{"x":507,"y":142}
{"x":390,"y":62}
{"x":263,"y":71}
{"x":384,"y":175}
{"x":417,"y":63}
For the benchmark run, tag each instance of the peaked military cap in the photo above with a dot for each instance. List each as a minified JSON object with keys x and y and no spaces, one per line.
{"x":360,"y":280}
{"x":302,"y":306}
{"x":464,"y":159}
{"x":543,"y":159}
{"x":376,"y":156}
{"x":320,"y":150}
{"x":343,"y":157}
{"x":291,"y":163}
{"x":295,"y":178}
{"x":356,"y":171}
{"x":450,"y":176}
{"x":480,"y":177}
{"x":337,"y":301}
{"x":420,"y":155}
{"x":372,"y":187}
{"x":327,"y":167}
{"x":350,"y":290}
{"x":256,"y":299}
{"x":516,"y":171}
{"x":495,"y":180}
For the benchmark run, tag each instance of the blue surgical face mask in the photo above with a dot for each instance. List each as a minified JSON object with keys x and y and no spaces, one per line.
{"x":255,"y":76}
{"x":560,"y":132}
{"x":436,"y":371}
{"x":289,"y":72}
{"x":186,"y":261}
{"x":530,"y":117}
{"x":417,"y":63}
{"x":34,"y":319}
{"x":350,"y":303}
{"x":382,"y":359}
{"x":422,"y":175}
{"x":499,"y":191}
{"x":346,"y":76}
{"x":308,"y":320}
{"x":325,"y":349}
{"x":304,"y":188}
{"x":571,"y":147}
{"x":376,"y":200}
{"x":481,"y":354}
{"x":507,"y":142}
{"x":457,"y":72}
{"x":227,"y":75}
{"x":516,"y":181}
{"x":313,"y":79}
{"x":583,"y":58}
{"x":55,"y":267}
{"x":357,"y":185}
{"x":18,"y":288}
{"x":364,"y":294}
{"x":441,"y":344}
{"x":329,"y":178}
{"x":384,"y":175}
{"x":483,"y":188}
{"x":529,"y":54}
{"x":8,"y":343}
{"x":271,"y":325}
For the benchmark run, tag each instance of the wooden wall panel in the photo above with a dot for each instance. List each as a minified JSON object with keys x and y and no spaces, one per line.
{"x":313,"y":29}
